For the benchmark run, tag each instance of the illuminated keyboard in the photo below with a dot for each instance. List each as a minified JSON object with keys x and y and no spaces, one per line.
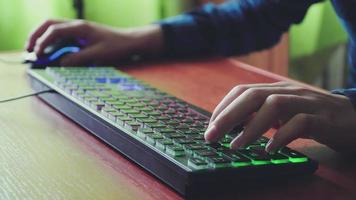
{"x":160,"y":132}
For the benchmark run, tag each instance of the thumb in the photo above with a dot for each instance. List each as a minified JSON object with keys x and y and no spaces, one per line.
{"x":83,"y":57}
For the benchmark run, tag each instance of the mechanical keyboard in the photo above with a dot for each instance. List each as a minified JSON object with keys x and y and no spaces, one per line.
{"x":159,"y":132}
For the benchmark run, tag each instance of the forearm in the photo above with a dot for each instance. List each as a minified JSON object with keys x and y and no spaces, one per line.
{"x":147,"y":40}
{"x":235,"y":27}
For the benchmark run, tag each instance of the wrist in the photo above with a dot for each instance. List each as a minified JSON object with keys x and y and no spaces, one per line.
{"x":148,"y":40}
{"x":350,"y":93}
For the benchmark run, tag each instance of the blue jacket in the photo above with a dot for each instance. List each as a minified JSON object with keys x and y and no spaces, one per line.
{"x":243,"y":26}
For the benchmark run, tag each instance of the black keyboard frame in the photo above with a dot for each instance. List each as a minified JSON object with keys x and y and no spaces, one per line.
{"x":189,"y":184}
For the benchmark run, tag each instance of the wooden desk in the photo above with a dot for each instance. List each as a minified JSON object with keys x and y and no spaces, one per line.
{"x":46,"y":156}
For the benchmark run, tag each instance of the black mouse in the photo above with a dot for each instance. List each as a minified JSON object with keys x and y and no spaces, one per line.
{"x":53,"y":53}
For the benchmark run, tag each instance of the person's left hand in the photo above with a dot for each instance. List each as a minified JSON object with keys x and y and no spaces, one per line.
{"x":295,"y":111}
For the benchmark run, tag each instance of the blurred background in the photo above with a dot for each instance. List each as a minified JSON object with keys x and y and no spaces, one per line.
{"x":314,"y":51}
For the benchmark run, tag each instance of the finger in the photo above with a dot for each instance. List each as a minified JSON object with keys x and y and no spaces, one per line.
{"x":71,"y":29}
{"x":38,"y":32}
{"x":299,"y":125}
{"x":242,"y":107}
{"x":276,"y":108}
{"x":237,"y":91}
{"x":83,"y":57}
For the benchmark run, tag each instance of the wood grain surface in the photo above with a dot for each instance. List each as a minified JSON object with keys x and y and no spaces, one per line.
{"x":43,"y":155}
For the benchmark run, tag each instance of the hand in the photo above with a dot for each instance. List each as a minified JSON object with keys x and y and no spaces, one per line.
{"x":106,"y":45}
{"x":295,"y":111}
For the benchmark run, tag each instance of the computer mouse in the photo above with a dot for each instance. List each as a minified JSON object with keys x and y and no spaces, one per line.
{"x":53,"y":53}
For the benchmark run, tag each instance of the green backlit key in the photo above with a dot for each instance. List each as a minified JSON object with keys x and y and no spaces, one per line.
{"x":205,"y":153}
{"x":115,"y":115}
{"x":236,"y":158}
{"x":197,"y":163}
{"x":143,"y":132}
{"x":278,"y":158}
{"x":293,"y":156}
{"x":132,"y":125}
{"x":151,"y":138}
{"x":122,"y":119}
{"x":162,"y":143}
{"x":218,"y":161}
{"x":258,"y":156}
{"x":175,"y":150}
{"x":155,"y":125}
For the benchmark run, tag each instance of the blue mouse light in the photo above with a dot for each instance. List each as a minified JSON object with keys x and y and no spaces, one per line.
{"x":54,"y":52}
{"x":65,"y":50}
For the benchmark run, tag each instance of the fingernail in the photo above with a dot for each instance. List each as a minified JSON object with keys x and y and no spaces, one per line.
{"x":269,"y":146}
{"x":209,"y":133}
{"x":237,"y":142}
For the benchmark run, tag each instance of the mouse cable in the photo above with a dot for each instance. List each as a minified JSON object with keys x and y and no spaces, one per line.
{"x":28,"y":95}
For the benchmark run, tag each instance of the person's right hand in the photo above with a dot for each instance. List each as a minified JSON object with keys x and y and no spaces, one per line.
{"x":105,"y":45}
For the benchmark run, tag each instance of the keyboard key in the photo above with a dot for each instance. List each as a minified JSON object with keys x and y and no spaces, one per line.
{"x":175,"y":150}
{"x":137,"y":105}
{"x":294,"y":156}
{"x":173,"y":135}
{"x":131,"y":111}
{"x":218,"y":161}
{"x":162,"y":143}
{"x":154,"y":113}
{"x":191,"y":131}
{"x":97,"y":105}
{"x":205,"y":153}
{"x":226,"y":142}
{"x":122,"y":119}
{"x":236,"y":158}
{"x":115,"y":103}
{"x":147,"y":120}
{"x":132,"y":125}
{"x":172,"y":122}
{"x":122,"y":107}
{"x":165,"y":130}
{"x":147,"y":109}
{"x":278,"y":158}
{"x":155,"y":125}
{"x":162,"y":118}
{"x":216,"y":146}
{"x":151,"y":138}
{"x":258,"y":155}
{"x":138,"y":116}
{"x":188,"y":120}
{"x":261,"y":141}
{"x":182,"y":127}
{"x":197,"y":163}
{"x":143,"y":132}
{"x":194,"y":146}
{"x":181,"y":141}
{"x":115,"y":115}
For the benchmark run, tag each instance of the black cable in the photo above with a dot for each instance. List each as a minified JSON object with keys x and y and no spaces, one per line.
{"x":27,"y":95}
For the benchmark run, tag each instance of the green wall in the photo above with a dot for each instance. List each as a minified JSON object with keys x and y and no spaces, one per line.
{"x":320,"y":29}
{"x":19,"y":17}
{"x":123,"y":13}
{"x":128,"y":13}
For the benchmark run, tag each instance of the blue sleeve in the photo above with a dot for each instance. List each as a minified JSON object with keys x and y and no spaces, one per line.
{"x":350,"y":93}
{"x":234,"y":27}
